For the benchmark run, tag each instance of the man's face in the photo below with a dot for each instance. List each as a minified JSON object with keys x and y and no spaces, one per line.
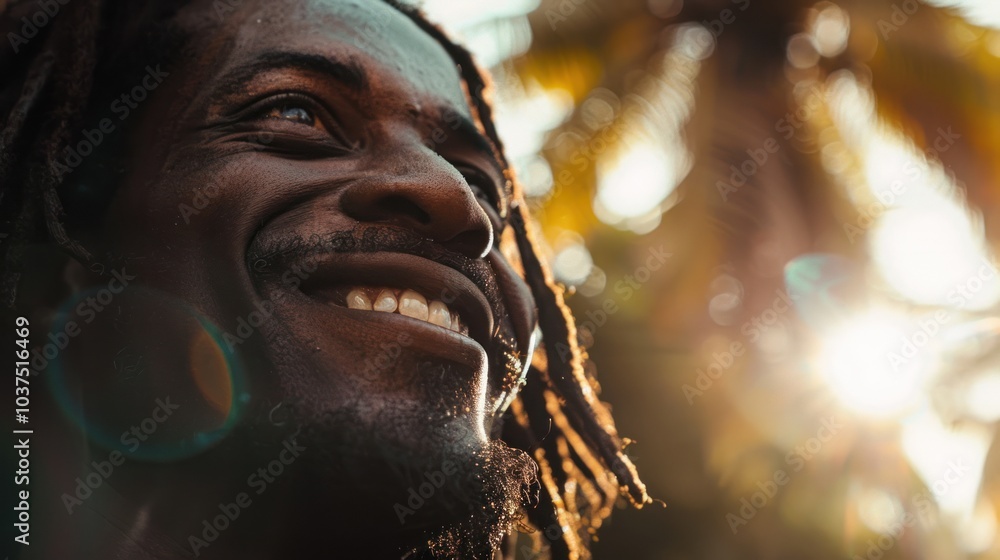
{"x":320,"y":158}
{"x":315,"y":163}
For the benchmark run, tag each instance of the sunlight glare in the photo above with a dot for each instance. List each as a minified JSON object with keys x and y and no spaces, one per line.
{"x":855,"y":362}
{"x":636,"y":183}
{"x":934,"y":256}
{"x":949,"y":459}
{"x":979,"y":12}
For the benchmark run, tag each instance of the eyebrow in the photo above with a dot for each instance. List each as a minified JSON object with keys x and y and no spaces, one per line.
{"x":347,"y":72}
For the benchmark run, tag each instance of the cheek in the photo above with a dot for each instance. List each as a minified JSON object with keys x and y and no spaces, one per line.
{"x":206,"y":204}
{"x":184,"y":235}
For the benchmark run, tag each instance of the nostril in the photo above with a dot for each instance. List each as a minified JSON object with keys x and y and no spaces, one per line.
{"x":395,"y":205}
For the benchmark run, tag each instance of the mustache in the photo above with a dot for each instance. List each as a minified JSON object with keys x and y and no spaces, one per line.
{"x":273,"y":255}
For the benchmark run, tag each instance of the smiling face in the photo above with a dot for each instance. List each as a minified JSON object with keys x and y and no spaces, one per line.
{"x":316,"y":163}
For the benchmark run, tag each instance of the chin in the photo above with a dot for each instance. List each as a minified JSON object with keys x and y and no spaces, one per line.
{"x":400,"y":483}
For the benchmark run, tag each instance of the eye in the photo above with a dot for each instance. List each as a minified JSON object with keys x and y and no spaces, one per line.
{"x":482,"y":186}
{"x":294,"y":113}
{"x":295,"y":110}
{"x":485,"y":193}
{"x":300,"y":124}
{"x":482,"y":195}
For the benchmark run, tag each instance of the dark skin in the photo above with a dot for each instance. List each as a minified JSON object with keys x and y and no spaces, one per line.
{"x":335,"y":147}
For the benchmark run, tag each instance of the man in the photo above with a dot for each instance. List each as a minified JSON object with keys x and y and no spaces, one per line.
{"x":282,"y":298}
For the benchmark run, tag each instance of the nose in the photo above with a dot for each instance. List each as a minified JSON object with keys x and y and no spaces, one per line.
{"x":433,"y":200}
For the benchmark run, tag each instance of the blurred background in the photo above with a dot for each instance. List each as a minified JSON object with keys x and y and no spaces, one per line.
{"x":778,"y":218}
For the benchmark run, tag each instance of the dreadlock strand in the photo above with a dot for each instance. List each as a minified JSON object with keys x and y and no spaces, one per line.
{"x":547,"y":435}
{"x":566,"y":543}
{"x":32,"y":88}
{"x":54,"y":212}
{"x":548,"y":517}
{"x":79,"y":72}
{"x":538,"y":517}
{"x":545,"y":514}
{"x":545,"y":405}
{"x":567,"y":374}
{"x":580,"y":485}
{"x":35,"y":81}
{"x":599,"y":499}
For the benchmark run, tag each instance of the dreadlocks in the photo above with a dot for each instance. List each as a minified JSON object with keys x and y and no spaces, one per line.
{"x":557,"y":418}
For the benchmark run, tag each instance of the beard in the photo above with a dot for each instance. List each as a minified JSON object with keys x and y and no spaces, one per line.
{"x":359,"y":489}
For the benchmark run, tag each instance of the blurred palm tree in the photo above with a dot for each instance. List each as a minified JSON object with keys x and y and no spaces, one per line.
{"x":739,"y":136}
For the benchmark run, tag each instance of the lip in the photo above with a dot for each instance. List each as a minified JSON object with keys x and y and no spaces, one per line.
{"x":335,"y":271}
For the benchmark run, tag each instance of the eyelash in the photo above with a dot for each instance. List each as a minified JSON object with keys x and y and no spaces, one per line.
{"x":324,"y":134}
{"x":280,"y":101}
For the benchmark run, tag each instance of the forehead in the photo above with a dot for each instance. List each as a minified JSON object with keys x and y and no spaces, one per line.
{"x":399,"y":59}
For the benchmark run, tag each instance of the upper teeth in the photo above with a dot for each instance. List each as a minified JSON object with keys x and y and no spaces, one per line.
{"x":408,"y":303}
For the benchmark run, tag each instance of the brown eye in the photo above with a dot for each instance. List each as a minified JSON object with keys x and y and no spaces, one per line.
{"x":300,"y":123}
{"x":294,"y":113}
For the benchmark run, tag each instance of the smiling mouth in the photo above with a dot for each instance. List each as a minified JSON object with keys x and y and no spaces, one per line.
{"x":406,"y":302}
{"x":400,"y":287}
